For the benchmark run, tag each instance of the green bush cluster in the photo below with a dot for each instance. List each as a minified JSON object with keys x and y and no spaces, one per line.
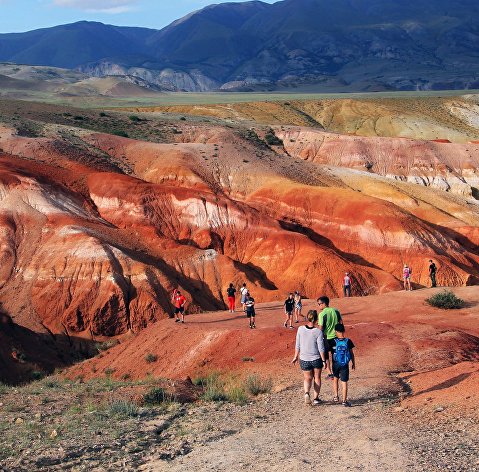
{"x":446,"y":300}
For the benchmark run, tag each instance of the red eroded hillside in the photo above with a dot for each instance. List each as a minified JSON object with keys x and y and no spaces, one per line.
{"x":394,"y":332}
{"x":96,"y":230}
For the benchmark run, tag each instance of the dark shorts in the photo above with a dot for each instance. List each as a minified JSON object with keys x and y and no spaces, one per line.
{"x":179,"y":310}
{"x":311,"y":365}
{"x":341,"y":372}
{"x":250,"y":314}
{"x":329,"y":345}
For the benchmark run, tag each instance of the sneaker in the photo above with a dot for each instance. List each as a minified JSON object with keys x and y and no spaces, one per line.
{"x":177,"y":320}
{"x":285,"y":324}
{"x":254,"y":326}
{"x":336,"y":399}
{"x":291,"y":327}
{"x":307,"y":400}
{"x":251,"y":326}
{"x":316,"y":401}
{"x":182,"y":321}
{"x":330,"y":376}
{"x":346,"y":403}
{"x":297,"y":321}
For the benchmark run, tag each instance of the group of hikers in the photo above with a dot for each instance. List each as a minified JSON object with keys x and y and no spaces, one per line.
{"x":320,"y":343}
{"x":407,"y":271}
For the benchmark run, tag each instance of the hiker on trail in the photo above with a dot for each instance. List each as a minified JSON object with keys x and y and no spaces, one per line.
{"x":406,"y":276}
{"x":288,"y":311}
{"x":432,"y":273}
{"x":311,"y":352}
{"x":328,"y":319}
{"x":250,"y":311}
{"x":180,"y":301}
{"x":342,"y":349}
{"x":298,"y":306}
{"x":173,"y":301}
{"x":346,"y":285}
{"x":243,"y":291}
{"x":230,"y":291}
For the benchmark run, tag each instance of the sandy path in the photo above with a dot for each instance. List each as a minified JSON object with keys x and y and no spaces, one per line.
{"x":297,"y":440}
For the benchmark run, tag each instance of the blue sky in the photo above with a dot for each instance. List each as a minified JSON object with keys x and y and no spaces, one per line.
{"x":25,"y":15}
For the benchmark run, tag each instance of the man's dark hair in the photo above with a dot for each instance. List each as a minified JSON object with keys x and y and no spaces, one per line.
{"x":339,"y":328}
{"x":324,"y":299}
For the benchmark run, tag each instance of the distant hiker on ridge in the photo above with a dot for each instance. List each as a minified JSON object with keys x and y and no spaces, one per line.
{"x":310,"y":349}
{"x":406,"y":276}
{"x":298,"y":306}
{"x":432,"y":273}
{"x":288,"y":311}
{"x":328,"y":319}
{"x":250,"y":311}
{"x":230,"y":291}
{"x":346,"y":285}
{"x":243,"y":290}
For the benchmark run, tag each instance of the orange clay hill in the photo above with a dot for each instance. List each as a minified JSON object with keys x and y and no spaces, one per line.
{"x":96,"y":229}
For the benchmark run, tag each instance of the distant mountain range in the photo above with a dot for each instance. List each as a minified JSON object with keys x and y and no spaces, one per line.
{"x":317,"y":45}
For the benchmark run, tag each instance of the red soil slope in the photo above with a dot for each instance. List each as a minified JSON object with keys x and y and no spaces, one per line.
{"x":96,"y":232}
{"x":394,"y":332}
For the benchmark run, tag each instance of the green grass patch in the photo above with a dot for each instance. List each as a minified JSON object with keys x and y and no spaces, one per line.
{"x":123,"y":408}
{"x":446,"y":300}
{"x":157,"y":396}
{"x":214,"y":388}
{"x":256,"y":384}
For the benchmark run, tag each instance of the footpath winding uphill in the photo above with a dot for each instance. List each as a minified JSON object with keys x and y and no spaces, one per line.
{"x":425,"y":357}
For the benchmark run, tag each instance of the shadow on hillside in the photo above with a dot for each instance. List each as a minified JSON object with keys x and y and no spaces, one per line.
{"x":446,"y":384}
{"x":255,"y":274}
{"x":26,"y":355}
{"x":323,"y":241}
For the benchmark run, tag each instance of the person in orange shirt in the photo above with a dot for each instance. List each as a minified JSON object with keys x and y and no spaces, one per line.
{"x":179,"y":301}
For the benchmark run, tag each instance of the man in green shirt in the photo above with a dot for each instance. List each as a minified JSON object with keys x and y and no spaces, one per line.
{"x":327,"y":321}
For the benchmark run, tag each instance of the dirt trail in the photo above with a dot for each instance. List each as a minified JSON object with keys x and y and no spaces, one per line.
{"x":297,"y":439}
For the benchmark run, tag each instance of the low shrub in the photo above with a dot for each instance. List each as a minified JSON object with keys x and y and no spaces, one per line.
{"x":122,"y":408}
{"x":37,"y":375}
{"x":121,"y":133}
{"x":237,"y":394}
{"x":271,"y":139}
{"x":446,"y":300}
{"x":157,"y":396}
{"x":214,"y":389}
{"x":106,"y":345}
{"x":256,"y":385}
{"x":151,"y":358}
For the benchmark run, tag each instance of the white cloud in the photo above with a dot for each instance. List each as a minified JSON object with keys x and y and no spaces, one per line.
{"x":101,"y":6}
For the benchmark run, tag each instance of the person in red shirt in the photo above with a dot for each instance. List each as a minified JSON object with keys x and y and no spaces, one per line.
{"x":179,"y":301}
